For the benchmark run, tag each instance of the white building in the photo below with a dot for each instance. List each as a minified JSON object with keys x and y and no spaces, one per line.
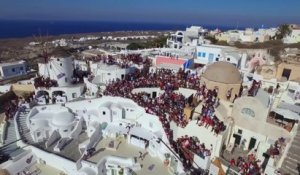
{"x":254,"y":130}
{"x":81,"y":65}
{"x":229,"y":36}
{"x":53,"y":121}
{"x":59,"y":68}
{"x":294,"y":37}
{"x":119,"y":125}
{"x":13,"y":69}
{"x":207,"y":54}
{"x":249,"y":35}
{"x":176,"y":40}
{"x":105,"y":73}
{"x":192,"y":36}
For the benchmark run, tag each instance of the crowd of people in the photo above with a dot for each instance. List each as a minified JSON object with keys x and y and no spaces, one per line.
{"x":170,"y":105}
{"x":194,"y":145}
{"x":124,"y":61}
{"x":247,"y":166}
{"x":41,"y":81}
{"x":11,"y":108}
{"x":275,"y":149}
{"x":207,"y":117}
{"x":186,"y":147}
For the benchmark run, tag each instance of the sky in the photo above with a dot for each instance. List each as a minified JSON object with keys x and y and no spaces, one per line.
{"x":205,"y":12}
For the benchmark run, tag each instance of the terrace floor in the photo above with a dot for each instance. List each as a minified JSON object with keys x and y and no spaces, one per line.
{"x":235,"y":153}
{"x":123,"y":149}
{"x":42,"y":169}
{"x":277,"y":122}
{"x":71,"y":150}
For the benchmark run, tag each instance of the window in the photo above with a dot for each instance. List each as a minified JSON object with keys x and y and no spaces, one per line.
{"x":203,"y":54}
{"x":60,"y":64}
{"x":50,"y":66}
{"x":248,"y":112}
{"x":228,"y":59}
{"x":13,"y":69}
{"x":66,"y":79}
{"x":103,"y":112}
{"x":21,"y":68}
{"x":38,"y":134}
{"x":217,"y":59}
{"x":74,"y":95}
{"x":66,"y":130}
{"x":240,"y":131}
{"x":108,"y":73}
{"x":57,"y":59}
{"x":199,"y":54}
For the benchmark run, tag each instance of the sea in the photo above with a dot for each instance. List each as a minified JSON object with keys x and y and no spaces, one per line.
{"x":23,"y":28}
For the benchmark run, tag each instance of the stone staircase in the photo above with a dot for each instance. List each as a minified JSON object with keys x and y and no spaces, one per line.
{"x":10,"y":139}
{"x":291,"y":163}
{"x":23,"y":129}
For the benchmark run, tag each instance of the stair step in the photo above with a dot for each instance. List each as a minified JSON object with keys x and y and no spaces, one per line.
{"x":293,"y":156}
{"x":290,"y":164}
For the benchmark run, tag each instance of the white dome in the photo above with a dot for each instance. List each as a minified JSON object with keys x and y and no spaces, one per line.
{"x":63,"y":119}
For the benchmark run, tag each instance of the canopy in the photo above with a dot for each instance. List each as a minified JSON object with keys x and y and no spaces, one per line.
{"x":287,"y":113}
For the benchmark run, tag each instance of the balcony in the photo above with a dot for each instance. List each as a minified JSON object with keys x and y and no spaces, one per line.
{"x":278,"y":120}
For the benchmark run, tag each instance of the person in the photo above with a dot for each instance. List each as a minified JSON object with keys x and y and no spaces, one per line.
{"x":141,"y":155}
{"x":235,"y":97}
{"x":228,"y":95}
{"x":232,"y":162}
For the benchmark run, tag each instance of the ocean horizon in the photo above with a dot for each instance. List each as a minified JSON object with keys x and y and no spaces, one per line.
{"x":27,"y":28}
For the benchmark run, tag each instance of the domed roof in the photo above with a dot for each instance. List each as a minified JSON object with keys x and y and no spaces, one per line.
{"x":222,"y":72}
{"x":63,"y":119}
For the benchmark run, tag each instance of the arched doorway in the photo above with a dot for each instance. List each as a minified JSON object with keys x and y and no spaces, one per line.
{"x":59,"y":96}
{"x":42,"y":97}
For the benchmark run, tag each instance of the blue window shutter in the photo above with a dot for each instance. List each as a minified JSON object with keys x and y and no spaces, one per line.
{"x":199,"y":54}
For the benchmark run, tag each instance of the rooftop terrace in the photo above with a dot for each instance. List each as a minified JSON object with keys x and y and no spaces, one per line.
{"x":149,"y":165}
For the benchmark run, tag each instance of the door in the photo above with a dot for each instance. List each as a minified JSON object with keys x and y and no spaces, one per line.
{"x":237,"y":139}
{"x":123,"y":114}
{"x":286,"y":73}
{"x":252,"y":143}
{"x":154,"y":94}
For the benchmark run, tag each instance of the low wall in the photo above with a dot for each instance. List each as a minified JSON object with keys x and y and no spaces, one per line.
{"x":3,"y":127}
{"x":56,"y":161}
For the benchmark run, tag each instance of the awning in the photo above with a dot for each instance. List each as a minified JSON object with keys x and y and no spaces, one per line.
{"x":287,"y":113}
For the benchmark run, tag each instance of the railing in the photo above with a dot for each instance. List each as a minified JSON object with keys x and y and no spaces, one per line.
{"x":230,"y":170}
